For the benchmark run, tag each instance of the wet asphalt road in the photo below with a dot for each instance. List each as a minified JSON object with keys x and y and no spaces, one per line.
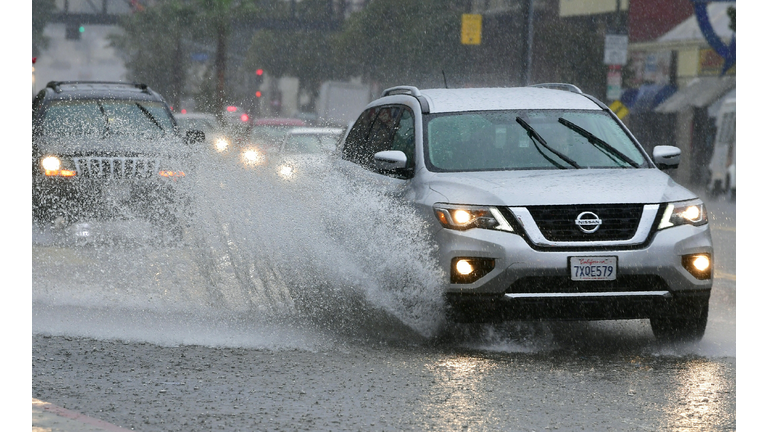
{"x":581,"y":386}
{"x":136,"y":341}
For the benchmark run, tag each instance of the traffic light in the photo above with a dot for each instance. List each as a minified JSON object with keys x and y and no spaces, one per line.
{"x":259,"y":78}
{"x":73,"y":31}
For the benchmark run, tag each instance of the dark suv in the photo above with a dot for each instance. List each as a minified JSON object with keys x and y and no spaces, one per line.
{"x":107,"y":150}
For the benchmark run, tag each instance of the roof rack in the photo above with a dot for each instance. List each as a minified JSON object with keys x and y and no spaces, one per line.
{"x":56,"y":85}
{"x":411,"y":91}
{"x":558,"y":86}
{"x":406,"y":90}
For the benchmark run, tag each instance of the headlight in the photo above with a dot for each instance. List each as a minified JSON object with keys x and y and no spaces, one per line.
{"x":464,"y":217}
{"x":684,"y":213}
{"x":51,"y":163}
{"x":221,"y":144}
{"x":286,"y":171}
{"x":252,"y":157}
{"x":54,"y":166}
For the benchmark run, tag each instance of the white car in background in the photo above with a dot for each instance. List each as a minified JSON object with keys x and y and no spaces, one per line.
{"x":215,"y":137}
{"x":304,"y":149}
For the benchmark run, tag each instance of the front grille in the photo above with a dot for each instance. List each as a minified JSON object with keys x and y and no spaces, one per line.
{"x":558,"y":223}
{"x":116,"y":167}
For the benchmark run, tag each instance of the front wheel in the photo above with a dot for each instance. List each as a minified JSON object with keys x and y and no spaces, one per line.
{"x":687,"y":326}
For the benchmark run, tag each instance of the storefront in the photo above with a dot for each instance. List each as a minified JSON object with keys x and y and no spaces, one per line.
{"x":672,"y":85}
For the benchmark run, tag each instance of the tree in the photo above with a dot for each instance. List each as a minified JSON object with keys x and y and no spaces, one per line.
{"x":397,"y":41}
{"x":153,"y":49}
{"x":157,"y":42}
{"x":305,"y":52}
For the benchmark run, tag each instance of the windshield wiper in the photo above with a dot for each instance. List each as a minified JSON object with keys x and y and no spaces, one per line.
{"x":535,"y":135}
{"x":150,"y":116}
{"x":597,"y":142}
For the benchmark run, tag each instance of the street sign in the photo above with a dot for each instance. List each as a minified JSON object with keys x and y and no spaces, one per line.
{"x":471,"y":29}
{"x":619,"y":109}
{"x":616,"y":49}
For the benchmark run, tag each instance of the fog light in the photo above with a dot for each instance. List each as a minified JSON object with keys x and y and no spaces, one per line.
{"x":464,"y":267}
{"x":468,"y":270}
{"x":699,"y":265}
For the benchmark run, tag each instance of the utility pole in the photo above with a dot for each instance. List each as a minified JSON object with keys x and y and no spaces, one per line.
{"x":528,"y":44}
{"x":616,"y":41}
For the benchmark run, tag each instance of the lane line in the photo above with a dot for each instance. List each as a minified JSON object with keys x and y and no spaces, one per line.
{"x":727,"y":276}
{"x":72,"y":415}
{"x":724,"y":228}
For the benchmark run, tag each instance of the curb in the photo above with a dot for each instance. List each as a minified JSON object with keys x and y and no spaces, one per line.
{"x":47,"y":417}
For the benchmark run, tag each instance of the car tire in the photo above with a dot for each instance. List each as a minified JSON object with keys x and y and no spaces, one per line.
{"x":687,"y":326}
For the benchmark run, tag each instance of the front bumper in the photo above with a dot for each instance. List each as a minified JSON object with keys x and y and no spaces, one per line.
{"x":102,"y":199}
{"x":528,"y":283}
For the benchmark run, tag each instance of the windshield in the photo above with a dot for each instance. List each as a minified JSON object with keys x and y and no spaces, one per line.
{"x":106,"y":118}
{"x":496,"y":140}
{"x":195,"y":124}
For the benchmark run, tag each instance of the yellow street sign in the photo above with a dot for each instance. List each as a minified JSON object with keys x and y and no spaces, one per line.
{"x":471,"y":29}
{"x":619,"y":109}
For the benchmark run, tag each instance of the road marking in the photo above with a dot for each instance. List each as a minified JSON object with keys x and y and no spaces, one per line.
{"x":727,"y":276}
{"x":48,"y":412}
{"x":724,"y":228}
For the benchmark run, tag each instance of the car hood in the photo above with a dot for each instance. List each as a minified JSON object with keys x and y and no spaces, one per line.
{"x":117,"y":146}
{"x":561,"y":187}
{"x":303,"y":160}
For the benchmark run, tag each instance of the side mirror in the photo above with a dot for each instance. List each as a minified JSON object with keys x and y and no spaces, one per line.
{"x":194,"y":137}
{"x":666,"y":157}
{"x":390,"y":160}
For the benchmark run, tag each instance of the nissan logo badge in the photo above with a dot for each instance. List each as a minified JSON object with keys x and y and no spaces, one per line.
{"x":588,"y":222}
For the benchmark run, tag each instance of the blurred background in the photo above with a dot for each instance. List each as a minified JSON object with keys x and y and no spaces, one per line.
{"x":664,"y":66}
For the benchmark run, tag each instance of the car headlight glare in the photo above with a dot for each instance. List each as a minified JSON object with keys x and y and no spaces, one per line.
{"x":684,"y":213}
{"x":286,"y":171}
{"x":252,"y":157}
{"x":221,"y":144}
{"x":51,"y":163}
{"x":53,"y":166}
{"x":463,"y":267}
{"x":466,"y":270}
{"x":464,"y":217}
{"x":699,"y":265}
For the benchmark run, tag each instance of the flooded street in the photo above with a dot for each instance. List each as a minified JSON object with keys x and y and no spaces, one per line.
{"x":278,"y":312}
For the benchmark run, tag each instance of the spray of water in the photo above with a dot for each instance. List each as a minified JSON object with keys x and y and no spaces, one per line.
{"x":321,"y":246}
{"x":259,"y":255}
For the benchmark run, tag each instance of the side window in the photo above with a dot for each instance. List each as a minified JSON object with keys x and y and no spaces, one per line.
{"x":382,"y":133}
{"x":404,"y":139}
{"x":354,"y":146}
{"x":380,"y":129}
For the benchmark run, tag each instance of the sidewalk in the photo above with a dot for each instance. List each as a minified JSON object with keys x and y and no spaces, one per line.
{"x":47,"y":417}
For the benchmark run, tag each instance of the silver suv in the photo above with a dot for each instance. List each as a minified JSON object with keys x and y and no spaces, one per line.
{"x":543,"y":205}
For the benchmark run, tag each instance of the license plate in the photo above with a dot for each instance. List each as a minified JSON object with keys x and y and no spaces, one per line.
{"x":595,"y":268}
